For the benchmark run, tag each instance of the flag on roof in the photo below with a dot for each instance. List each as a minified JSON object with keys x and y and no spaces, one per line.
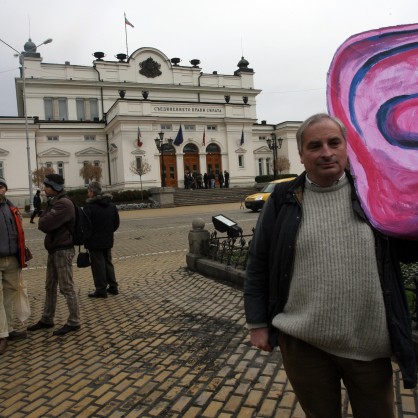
{"x":138,"y":138}
{"x":179,"y":137}
{"x":127,"y":22}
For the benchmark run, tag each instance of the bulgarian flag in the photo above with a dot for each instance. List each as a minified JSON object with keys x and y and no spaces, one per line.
{"x":138,"y":139}
{"x":127,"y":22}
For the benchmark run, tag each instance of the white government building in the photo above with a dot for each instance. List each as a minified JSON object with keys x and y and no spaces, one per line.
{"x":78,"y":114}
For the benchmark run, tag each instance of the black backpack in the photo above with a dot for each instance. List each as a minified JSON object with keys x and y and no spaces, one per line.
{"x":82,"y":228}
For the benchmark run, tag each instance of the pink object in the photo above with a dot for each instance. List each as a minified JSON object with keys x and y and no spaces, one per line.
{"x":373,"y":88}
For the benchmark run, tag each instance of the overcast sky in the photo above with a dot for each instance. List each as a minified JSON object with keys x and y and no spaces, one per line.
{"x":289,"y":44}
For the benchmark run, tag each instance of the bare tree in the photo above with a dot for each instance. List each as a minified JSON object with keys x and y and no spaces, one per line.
{"x":91,"y":172}
{"x":140,"y":167}
{"x":283,"y":164}
{"x":38,"y":175}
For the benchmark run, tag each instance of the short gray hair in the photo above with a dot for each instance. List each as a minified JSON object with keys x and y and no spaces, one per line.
{"x":95,"y":187}
{"x":315,"y":119}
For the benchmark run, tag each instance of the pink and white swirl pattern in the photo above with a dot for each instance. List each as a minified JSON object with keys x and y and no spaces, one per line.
{"x":373,"y":88}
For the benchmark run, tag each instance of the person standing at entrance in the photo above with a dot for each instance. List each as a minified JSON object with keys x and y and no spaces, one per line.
{"x":326,"y":287}
{"x":226,"y":178}
{"x":105,"y":221}
{"x":37,"y":202}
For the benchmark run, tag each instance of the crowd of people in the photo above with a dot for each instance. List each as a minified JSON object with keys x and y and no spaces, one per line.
{"x":209,"y":180}
{"x":57,"y":222}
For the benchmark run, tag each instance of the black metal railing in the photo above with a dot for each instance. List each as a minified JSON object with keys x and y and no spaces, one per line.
{"x":231,"y":251}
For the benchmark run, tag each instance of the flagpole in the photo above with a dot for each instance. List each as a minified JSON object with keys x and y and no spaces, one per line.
{"x":126,"y":34}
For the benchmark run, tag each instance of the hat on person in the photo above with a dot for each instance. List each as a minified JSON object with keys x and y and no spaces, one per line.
{"x":3,"y":182}
{"x":55,"y":181}
{"x":95,"y":187}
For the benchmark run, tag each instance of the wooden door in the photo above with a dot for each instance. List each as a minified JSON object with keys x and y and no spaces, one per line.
{"x":169,"y":170}
{"x":191,"y":163}
{"x":213,"y":163}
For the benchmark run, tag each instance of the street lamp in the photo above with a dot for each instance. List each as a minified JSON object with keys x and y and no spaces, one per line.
{"x":21,"y":56}
{"x":159,"y":142}
{"x":274,"y":144}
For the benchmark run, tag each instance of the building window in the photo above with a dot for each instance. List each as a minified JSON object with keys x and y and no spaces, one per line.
{"x":260,"y":166}
{"x":52,"y":138}
{"x":80,"y":109}
{"x":1,"y":169}
{"x":240,"y":161}
{"x":268,"y":165}
{"x":211,"y":127}
{"x":62,"y":108}
{"x":60,"y":167}
{"x":49,"y":108}
{"x":139,"y":163}
{"x":89,"y":137}
{"x":262,"y":138}
{"x":167,"y":127}
{"x":48,"y":164}
{"x":94,"y":109}
{"x":189,"y":127}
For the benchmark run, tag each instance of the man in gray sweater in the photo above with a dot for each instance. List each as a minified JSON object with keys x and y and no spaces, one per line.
{"x":325,"y":286}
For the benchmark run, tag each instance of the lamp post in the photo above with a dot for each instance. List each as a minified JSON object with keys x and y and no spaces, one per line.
{"x":21,"y":56}
{"x":274,"y":144}
{"x":159,"y":142}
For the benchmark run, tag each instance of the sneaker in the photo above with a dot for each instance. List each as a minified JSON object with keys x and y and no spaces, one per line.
{"x":17,"y":335}
{"x":113,"y":290}
{"x":66,"y":329}
{"x":39,"y":325}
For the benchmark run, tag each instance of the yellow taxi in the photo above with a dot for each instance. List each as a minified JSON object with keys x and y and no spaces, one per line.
{"x":256,"y":201}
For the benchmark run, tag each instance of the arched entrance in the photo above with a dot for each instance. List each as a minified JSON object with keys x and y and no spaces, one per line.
{"x":191,"y":159}
{"x":213,"y":159}
{"x":169,"y":168}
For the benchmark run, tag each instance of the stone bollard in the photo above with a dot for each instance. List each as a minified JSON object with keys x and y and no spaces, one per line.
{"x":198,"y":243}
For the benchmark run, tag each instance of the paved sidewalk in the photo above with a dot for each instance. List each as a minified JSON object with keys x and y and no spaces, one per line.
{"x":171,"y":344}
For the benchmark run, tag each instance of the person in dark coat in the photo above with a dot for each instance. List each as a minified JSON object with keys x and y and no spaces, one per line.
{"x":221,"y":180}
{"x":105,"y":221}
{"x":37,"y":202}
{"x":226,"y":177}
{"x":205,"y":180}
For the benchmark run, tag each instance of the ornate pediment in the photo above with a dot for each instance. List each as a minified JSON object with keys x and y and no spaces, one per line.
{"x":90,"y":152}
{"x":262,"y":150}
{"x":240,"y":150}
{"x":54,"y":152}
{"x":3,"y":152}
{"x":138,"y":152}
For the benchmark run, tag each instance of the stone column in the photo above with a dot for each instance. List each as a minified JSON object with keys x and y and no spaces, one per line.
{"x":198,"y":243}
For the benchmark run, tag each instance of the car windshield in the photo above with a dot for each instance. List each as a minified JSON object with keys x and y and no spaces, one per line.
{"x":268,"y":189}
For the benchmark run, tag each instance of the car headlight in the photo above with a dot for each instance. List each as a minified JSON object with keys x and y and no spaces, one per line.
{"x":259,"y":198}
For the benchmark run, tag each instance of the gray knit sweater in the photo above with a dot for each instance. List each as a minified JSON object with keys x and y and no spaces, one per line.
{"x":335,"y":300}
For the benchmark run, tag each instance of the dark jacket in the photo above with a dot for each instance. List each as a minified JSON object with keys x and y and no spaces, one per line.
{"x":270,"y":265}
{"x":104,"y":220}
{"x":57,"y":222}
{"x":37,"y":202}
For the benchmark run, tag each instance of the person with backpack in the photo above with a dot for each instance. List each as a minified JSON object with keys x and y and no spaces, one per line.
{"x":104,"y":222}
{"x":57,"y":222}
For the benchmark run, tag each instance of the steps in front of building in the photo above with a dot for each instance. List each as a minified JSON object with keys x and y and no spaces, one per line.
{"x":190,"y":197}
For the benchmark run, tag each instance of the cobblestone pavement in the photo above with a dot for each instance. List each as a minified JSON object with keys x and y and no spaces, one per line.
{"x":171,"y":344}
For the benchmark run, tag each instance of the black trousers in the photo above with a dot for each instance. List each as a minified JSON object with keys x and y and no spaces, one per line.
{"x":34,"y":213}
{"x":102,"y":269}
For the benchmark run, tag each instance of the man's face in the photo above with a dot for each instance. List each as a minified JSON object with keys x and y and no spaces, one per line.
{"x":324,"y":152}
{"x":3,"y":190}
{"x":49,"y":191}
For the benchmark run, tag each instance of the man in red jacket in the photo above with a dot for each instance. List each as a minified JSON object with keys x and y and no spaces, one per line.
{"x":12,"y":259}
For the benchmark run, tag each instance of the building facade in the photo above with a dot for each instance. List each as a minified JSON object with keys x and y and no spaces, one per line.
{"x":110,"y":113}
